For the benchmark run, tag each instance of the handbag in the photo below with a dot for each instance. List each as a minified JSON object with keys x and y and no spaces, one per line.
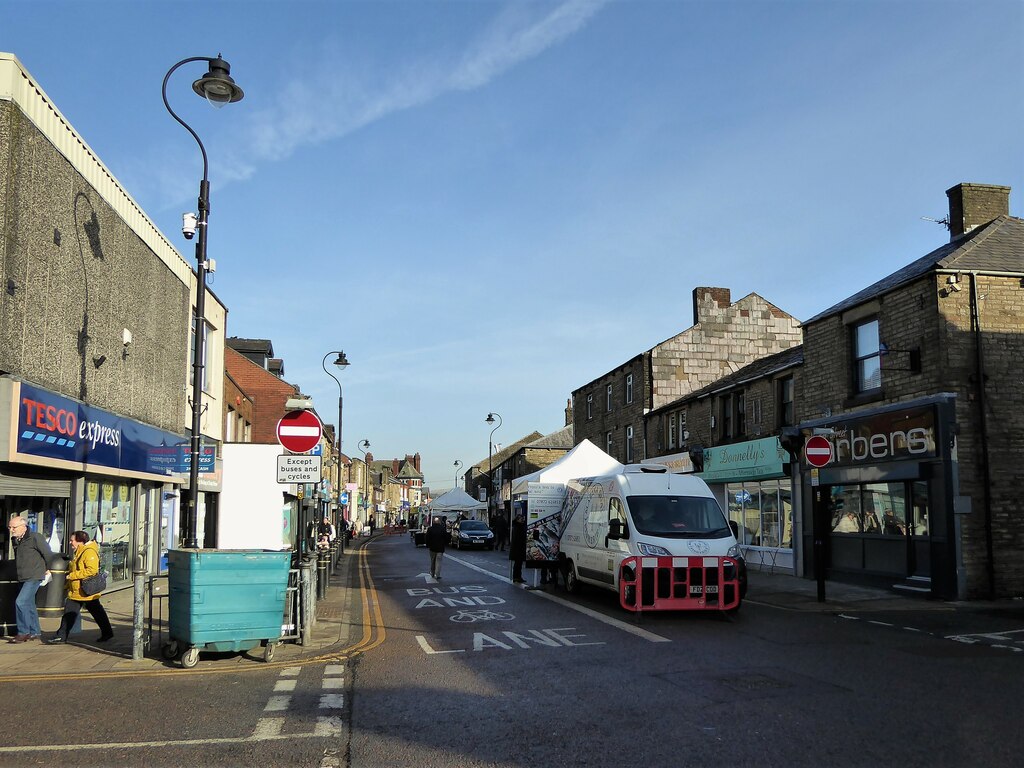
{"x":93,"y":585}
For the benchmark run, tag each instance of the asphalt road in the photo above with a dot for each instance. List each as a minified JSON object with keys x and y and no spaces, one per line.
{"x":473,"y":671}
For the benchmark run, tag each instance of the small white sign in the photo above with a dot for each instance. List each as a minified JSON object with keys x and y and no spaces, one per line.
{"x":298,"y":468}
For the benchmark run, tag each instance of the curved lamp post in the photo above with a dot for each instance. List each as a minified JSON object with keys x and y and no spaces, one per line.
{"x":342,"y":363}
{"x":364,"y":446}
{"x":217,"y":87}
{"x":490,"y":446}
{"x":458,"y":466}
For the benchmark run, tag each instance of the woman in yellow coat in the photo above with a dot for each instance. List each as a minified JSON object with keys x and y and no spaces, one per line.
{"x":85,"y":562}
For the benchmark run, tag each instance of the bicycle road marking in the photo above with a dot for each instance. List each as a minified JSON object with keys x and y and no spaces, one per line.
{"x":617,"y":623}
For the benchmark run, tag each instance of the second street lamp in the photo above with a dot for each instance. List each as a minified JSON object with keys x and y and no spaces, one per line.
{"x":364,"y":446}
{"x":490,"y":447}
{"x":342,"y":363}
{"x":217,"y":87}
{"x":458,"y":466}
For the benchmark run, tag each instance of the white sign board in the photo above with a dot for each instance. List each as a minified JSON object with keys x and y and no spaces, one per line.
{"x":298,"y":468}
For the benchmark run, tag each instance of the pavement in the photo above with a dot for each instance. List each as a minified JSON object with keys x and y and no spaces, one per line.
{"x":339,"y":625}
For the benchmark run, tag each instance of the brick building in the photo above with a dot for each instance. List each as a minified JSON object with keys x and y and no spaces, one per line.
{"x":609,"y":411}
{"x":916,"y":381}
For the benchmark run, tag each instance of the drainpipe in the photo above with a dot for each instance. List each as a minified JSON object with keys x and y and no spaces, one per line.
{"x":979,"y":384}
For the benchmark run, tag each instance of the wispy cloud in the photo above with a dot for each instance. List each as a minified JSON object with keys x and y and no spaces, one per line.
{"x":337,"y":103}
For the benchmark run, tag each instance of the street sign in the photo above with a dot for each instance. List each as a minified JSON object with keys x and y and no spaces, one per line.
{"x":299,"y":431}
{"x":817,"y":451}
{"x":298,"y":469}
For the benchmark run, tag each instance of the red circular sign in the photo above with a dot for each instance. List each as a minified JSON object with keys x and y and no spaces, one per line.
{"x":299,"y":431}
{"x":817,"y":451}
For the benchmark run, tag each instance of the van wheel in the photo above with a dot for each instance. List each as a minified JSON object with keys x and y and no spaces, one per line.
{"x":572,"y":583}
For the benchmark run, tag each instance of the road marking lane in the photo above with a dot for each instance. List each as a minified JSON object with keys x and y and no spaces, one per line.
{"x":616,"y":623}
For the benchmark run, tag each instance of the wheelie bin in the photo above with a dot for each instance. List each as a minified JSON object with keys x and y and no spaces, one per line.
{"x":225,"y":600}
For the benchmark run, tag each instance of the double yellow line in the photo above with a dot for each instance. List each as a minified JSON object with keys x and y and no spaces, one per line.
{"x":374,"y":634}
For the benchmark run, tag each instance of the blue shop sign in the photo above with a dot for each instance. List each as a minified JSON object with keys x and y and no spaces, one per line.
{"x":57,"y":427}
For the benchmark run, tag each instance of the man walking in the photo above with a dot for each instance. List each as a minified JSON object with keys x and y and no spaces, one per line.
{"x":31,"y":557}
{"x":435,"y":539}
{"x":500,"y":528}
{"x":517,"y":548}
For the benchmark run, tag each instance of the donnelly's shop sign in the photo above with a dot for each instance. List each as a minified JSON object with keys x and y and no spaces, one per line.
{"x":55,"y":427}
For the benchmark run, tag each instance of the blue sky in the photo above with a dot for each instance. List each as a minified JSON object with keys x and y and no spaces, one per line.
{"x":489,"y":204}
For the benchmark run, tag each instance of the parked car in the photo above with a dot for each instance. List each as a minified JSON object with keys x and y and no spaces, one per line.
{"x":472,"y":533}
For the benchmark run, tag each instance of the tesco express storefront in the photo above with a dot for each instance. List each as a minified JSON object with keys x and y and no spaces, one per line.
{"x":67,"y":466}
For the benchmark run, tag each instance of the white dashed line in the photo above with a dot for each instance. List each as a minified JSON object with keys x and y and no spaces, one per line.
{"x":333,"y":682}
{"x":285,"y":685}
{"x":332,"y":701}
{"x":278,"y":704}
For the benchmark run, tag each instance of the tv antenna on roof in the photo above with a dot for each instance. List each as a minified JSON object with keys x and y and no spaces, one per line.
{"x":944,"y":221}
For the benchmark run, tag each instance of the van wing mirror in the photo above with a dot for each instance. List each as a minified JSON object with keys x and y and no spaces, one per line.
{"x":616,"y":530}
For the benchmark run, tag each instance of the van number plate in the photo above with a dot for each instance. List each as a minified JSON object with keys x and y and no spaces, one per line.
{"x":711,"y":590}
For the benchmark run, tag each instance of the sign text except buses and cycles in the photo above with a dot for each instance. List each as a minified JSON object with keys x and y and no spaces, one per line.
{"x":298,"y":468}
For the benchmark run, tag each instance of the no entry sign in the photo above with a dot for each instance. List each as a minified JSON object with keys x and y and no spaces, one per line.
{"x":817,"y":451}
{"x":299,"y":431}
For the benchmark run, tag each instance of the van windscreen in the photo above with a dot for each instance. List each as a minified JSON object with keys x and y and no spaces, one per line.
{"x":678,"y":516}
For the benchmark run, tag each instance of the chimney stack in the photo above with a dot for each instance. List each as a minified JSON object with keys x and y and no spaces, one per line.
{"x":721,"y":296}
{"x":568,"y":411}
{"x":972,"y":205}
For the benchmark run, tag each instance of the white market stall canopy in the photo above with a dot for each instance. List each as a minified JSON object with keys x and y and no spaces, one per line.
{"x":455,"y":500}
{"x":585,"y":460}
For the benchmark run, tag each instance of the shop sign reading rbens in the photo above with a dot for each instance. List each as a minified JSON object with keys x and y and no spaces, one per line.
{"x":890,"y":436}
{"x":56,"y":427}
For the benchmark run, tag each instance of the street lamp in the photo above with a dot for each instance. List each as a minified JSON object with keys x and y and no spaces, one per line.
{"x":458,"y":466}
{"x":342,"y":363}
{"x":490,"y":446}
{"x":364,"y":446}
{"x":217,"y":87}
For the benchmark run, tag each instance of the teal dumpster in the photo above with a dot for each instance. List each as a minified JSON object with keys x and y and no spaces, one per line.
{"x":225,"y":600}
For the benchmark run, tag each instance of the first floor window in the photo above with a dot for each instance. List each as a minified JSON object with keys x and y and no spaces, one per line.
{"x":590,"y":407}
{"x":629,"y":388}
{"x":867,"y":360}
{"x":608,"y":443}
{"x":671,"y":430}
{"x":629,"y":444}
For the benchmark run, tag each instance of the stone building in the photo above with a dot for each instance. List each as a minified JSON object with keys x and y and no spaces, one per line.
{"x":916,"y":383}
{"x":609,"y":410}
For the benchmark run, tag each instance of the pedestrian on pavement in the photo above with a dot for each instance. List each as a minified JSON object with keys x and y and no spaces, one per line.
{"x":435,"y":539}
{"x":326,"y":528}
{"x":500,"y":528}
{"x":85,"y":562}
{"x":517,"y":548}
{"x":370,"y":524}
{"x":31,"y":557}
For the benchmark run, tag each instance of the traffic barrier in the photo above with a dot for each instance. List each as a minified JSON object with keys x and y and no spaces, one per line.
{"x":667,"y":583}
{"x":394,"y":530}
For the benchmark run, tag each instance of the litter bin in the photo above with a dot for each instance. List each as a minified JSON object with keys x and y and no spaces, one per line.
{"x":50,"y":599}
{"x":225,"y":600}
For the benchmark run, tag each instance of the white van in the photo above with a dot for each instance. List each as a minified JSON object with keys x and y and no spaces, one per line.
{"x":667,"y":526}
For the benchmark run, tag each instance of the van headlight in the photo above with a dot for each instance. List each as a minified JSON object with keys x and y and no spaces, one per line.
{"x":651,"y":549}
{"x":734,"y":552}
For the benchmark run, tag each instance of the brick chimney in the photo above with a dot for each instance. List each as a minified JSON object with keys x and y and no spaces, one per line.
{"x":721,"y":296}
{"x":416,"y":461}
{"x":568,"y":411}
{"x":394,"y":466}
{"x":972,"y":205}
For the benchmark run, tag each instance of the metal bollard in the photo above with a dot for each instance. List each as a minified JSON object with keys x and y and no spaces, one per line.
{"x":138,"y":616}
{"x":322,"y":560}
{"x":307,"y":601}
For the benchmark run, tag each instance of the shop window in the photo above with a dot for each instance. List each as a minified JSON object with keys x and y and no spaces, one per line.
{"x":872,"y":508}
{"x":867,"y":367}
{"x":763,"y":512}
{"x":108,"y":521}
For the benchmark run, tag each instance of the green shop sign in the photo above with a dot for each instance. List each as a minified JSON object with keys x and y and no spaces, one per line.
{"x":744,"y":461}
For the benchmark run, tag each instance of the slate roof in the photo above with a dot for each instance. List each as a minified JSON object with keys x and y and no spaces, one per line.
{"x":994,"y":247}
{"x":263,"y":346}
{"x":562,"y":439}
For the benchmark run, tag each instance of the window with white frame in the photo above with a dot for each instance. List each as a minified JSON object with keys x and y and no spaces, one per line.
{"x":629,"y":444}
{"x":608,"y":398}
{"x":671,"y":430}
{"x":590,"y":407}
{"x":629,"y":388}
{"x":867,"y":365}
{"x":608,"y":443}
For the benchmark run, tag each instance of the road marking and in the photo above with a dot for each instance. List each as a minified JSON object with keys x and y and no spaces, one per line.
{"x":552,"y":638}
{"x":617,"y":623}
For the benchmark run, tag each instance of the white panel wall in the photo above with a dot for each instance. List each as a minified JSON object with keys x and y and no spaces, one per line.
{"x":252,"y":506}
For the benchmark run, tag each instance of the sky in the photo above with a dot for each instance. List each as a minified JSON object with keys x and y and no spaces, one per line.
{"x":487,"y":205}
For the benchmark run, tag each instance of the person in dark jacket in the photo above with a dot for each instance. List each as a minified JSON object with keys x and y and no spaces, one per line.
{"x":31,"y":557}
{"x":517,"y":548}
{"x":85,"y":562}
{"x":435,"y":539}
{"x":500,"y":528}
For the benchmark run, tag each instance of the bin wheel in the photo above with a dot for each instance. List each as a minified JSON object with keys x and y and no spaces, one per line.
{"x":268,"y":651}
{"x":170,"y":650}
{"x":190,"y":658}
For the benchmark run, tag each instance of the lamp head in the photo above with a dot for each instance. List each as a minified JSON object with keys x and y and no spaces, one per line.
{"x":217,"y":86}
{"x":342,"y":361}
{"x":490,"y":418}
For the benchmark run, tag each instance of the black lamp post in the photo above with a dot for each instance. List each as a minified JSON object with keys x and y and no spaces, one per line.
{"x":342,"y":363}
{"x":217,"y":87}
{"x":490,"y":447}
{"x":364,"y":446}
{"x":458,"y":466}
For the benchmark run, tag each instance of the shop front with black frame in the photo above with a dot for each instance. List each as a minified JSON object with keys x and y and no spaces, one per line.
{"x":881,"y":508}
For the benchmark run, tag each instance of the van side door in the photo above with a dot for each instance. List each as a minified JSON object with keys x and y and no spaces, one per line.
{"x":617,"y":548}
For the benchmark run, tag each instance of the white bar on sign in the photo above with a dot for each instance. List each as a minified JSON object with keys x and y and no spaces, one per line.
{"x":298,"y":431}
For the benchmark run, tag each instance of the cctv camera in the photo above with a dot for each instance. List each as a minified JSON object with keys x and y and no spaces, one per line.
{"x":188,"y":225}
